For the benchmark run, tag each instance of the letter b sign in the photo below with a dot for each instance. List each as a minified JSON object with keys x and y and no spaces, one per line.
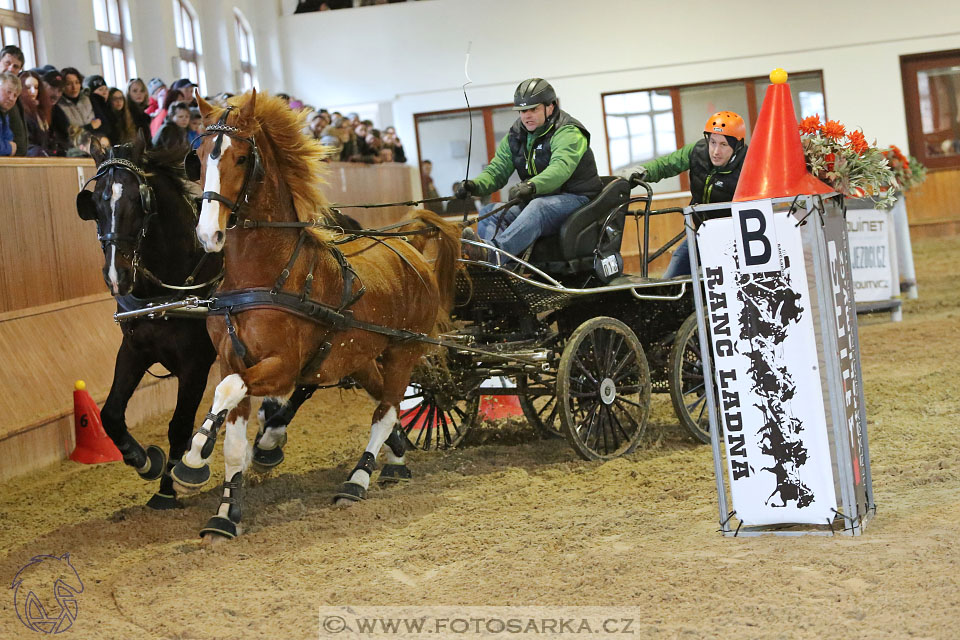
{"x":756,"y":239}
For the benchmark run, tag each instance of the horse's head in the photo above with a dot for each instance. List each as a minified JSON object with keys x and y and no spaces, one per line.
{"x":227,"y":164}
{"x":122,"y":205}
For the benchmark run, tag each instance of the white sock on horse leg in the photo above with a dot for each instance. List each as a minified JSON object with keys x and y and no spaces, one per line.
{"x":379,"y":433}
{"x":228,"y":395}
{"x":236,"y":454}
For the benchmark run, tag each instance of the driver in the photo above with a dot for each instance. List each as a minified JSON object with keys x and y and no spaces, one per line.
{"x":714,"y":162}
{"x":550,"y":151}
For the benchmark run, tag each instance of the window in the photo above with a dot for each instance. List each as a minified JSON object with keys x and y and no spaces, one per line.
{"x":16,"y":27}
{"x":248,"y":54}
{"x":109,"y":25}
{"x":645,"y":124}
{"x":188,"y":43}
{"x":931,"y":91}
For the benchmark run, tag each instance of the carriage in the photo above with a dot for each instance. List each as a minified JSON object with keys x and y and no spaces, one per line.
{"x":585,"y":347}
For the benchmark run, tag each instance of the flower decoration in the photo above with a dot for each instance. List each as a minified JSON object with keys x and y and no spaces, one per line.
{"x":908,"y":170}
{"x":847,"y":161}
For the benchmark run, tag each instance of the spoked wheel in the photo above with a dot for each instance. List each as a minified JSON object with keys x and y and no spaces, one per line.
{"x":603,"y":389}
{"x":538,"y":399}
{"x":433,"y":420}
{"x":687,"y":390}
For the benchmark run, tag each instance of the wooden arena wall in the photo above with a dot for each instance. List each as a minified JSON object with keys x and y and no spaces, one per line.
{"x":56,"y":323}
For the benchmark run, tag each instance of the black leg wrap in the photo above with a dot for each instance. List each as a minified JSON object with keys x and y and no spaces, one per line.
{"x":368,"y":463}
{"x":133,"y":454}
{"x":221,"y":527}
{"x":398,"y":441}
{"x":166,"y":496}
{"x":394,"y":473}
{"x":156,"y":462}
{"x":192,"y":477}
{"x":351,"y":491}
{"x":266,"y":459}
{"x":211,"y":433}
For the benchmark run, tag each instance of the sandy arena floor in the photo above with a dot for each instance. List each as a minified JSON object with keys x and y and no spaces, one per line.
{"x":528,"y":523}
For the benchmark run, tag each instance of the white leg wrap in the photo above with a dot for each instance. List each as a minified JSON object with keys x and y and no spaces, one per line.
{"x":236,"y":454}
{"x":379,"y":433}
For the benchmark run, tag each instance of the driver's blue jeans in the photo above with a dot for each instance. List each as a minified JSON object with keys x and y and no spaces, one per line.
{"x":520,"y":228}
{"x":680,"y":262}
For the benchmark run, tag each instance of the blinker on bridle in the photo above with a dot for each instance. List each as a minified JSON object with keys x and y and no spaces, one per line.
{"x":192,"y":164}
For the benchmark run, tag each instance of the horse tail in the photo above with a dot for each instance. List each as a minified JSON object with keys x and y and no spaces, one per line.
{"x":446,"y":267}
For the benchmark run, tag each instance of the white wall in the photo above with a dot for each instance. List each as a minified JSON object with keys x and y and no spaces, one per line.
{"x":64,"y":28}
{"x":413,"y":53}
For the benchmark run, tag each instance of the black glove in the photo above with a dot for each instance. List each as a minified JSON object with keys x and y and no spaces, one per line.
{"x":464,"y":189}
{"x":524,"y":190}
{"x":638,"y":176}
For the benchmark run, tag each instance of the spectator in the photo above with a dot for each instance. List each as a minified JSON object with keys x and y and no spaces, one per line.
{"x":340,"y":130}
{"x":36,"y":113}
{"x":98,"y":91}
{"x":160,"y":115}
{"x":75,"y":104}
{"x":173,"y":133}
{"x":386,"y":155}
{"x":186,"y":88}
{"x":11,"y":61}
{"x":316,"y":125}
{"x":390,"y":140}
{"x":121,"y":120}
{"x":138,"y":99}
{"x":196,"y":128}
{"x":59,"y":123}
{"x":9,"y":92}
{"x":157,"y":89}
{"x":429,"y":190}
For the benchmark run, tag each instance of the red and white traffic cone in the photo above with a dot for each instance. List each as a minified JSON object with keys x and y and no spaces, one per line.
{"x":93,"y":445}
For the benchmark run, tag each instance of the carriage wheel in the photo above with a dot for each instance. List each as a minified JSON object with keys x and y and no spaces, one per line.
{"x":433,"y":421}
{"x":603,"y":389}
{"x":687,"y":390}
{"x":538,"y":399}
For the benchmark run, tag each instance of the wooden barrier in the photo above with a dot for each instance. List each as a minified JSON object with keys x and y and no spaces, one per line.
{"x":933,"y":207}
{"x":56,"y":323}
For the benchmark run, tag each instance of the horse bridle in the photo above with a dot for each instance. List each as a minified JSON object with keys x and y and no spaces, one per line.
{"x":147,"y":201}
{"x":191,"y":165}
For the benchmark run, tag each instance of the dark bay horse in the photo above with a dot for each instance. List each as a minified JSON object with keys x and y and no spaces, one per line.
{"x":298,"y":305}
{"x":145,"y":222}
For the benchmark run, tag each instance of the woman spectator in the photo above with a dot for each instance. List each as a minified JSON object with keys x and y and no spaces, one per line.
{"x":391,"y":141}
{"x":36,"y":114}
{"x":137,"y":102}
{"x":173,"y":133}
{"x":121,"y":120}
{"x":75,"y":104}
{"x":98,"y":92}
{"x":160,"y":115}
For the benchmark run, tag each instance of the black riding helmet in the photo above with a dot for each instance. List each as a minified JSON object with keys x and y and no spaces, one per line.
{"x":532,"y":92}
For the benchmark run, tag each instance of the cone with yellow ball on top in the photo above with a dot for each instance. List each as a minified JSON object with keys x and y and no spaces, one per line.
{"x":775,"y":166}
{"x":93,"y":445}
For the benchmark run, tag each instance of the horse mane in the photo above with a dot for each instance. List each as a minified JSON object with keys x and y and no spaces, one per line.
{"x":168,"y":163}
{"x":299,"y":158}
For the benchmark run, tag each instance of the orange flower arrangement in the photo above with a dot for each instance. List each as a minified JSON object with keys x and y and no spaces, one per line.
{"x":846,"y":161}
{"x":908,"y":171}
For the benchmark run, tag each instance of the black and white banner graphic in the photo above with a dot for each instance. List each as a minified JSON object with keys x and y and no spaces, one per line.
{"x":767,"y":373}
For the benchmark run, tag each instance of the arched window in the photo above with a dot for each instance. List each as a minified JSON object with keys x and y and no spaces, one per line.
{"x":16,"y":27}
{"x":248,"y":54}
{"x":188,"y":43}
{"x":108,"y":20}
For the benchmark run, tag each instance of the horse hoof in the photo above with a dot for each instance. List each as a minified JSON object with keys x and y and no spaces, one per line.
{"x":394,"y":474}
{"x":264,"y":460}
{"x":219,"y":527}
{"x":190,"y":478}
{"x":349,"y":493}
{"x":156,"y":462}
{"x":162,"y":502}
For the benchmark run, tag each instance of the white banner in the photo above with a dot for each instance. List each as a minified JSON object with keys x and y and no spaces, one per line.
{"x":767,"y":373}
{"x":872,"y":269}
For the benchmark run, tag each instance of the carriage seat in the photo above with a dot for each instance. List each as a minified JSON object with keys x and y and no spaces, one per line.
{"x":571,"y":250}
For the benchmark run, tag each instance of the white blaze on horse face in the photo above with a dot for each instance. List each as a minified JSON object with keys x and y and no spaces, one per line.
{"x":117,"y":192}
{"x":208,"y":227}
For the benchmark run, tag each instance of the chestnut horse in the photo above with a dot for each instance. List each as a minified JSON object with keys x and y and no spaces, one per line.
{"x":299,"y":302}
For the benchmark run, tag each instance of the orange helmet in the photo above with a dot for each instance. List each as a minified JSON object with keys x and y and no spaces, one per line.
{"x":726,"y":123}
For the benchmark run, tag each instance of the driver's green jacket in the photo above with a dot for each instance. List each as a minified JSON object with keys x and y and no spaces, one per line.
{"x":672,"y":164}
{"x":567,"y":148}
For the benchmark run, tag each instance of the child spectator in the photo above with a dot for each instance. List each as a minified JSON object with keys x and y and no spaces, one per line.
{"x":196,"y":127}
{"x":160,"y":115}
{"x":173,"y":133}
{"x":157,"y":89}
